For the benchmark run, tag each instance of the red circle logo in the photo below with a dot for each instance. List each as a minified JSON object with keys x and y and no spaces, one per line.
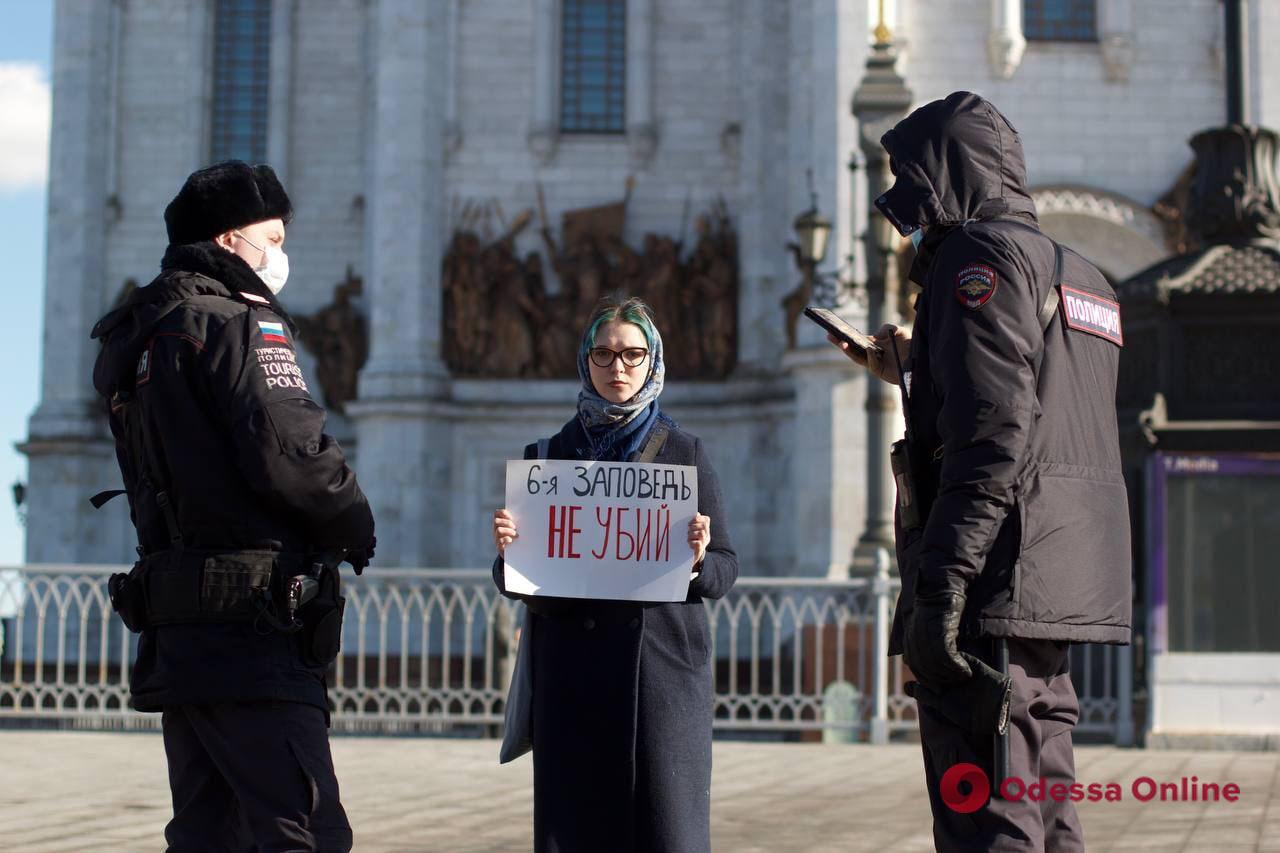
{"x":964,"y":802}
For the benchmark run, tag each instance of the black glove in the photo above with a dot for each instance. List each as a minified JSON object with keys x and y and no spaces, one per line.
{"x":979,"y":705}
{"x":360,"y":559}
{"x":932,"y":629}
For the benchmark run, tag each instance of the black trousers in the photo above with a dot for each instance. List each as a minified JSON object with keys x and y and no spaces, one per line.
{"x":252,"y":776}
{"x":1042,"y":714}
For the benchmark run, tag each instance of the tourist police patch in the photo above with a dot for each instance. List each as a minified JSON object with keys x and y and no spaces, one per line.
{"x":1096,"y":315}
{"x":975,"y":284}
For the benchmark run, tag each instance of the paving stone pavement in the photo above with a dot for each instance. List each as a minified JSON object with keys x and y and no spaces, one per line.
{"x":81,"y":791}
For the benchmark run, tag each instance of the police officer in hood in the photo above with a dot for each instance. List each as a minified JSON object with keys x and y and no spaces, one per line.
{"x":1015,"y":543}
{"x":243,"y":508}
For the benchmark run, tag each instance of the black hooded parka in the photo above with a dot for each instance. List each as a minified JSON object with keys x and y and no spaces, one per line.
{"x":1027,"y":511}
{"x":207,"y":353}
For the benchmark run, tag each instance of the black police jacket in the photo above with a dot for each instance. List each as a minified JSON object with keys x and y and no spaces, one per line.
{"x":207,"y":353}
{"x":1028,"y":511}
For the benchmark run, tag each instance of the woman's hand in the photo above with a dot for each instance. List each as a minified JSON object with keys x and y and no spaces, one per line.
{"x":504,"y":530}
{"x":699,"y":538}
{"x":880,"y":364}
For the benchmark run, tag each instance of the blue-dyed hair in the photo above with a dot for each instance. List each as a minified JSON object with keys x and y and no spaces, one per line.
{"x":614,"y":309}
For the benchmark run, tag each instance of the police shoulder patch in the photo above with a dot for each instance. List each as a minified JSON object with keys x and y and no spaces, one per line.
{"x":1092,"y":314}
{"x":975,"y":285}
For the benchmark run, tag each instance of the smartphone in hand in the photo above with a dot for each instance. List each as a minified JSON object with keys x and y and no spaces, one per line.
{"x":832,"y":323}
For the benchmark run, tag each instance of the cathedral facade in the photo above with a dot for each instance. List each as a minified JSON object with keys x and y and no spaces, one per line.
{"x":470,"y":175}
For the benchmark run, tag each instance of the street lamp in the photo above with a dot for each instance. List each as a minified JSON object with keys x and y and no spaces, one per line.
{"x":812,"y":232}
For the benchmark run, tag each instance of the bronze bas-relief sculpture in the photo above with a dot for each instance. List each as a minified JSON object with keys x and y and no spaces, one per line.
{"x":500,"y":319}
{"x":338,"y":336}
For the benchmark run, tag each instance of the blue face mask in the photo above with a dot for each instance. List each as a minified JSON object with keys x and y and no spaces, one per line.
{"x":916,"y":236}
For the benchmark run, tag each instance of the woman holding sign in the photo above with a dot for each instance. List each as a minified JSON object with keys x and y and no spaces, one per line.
{"x":623,"y":692}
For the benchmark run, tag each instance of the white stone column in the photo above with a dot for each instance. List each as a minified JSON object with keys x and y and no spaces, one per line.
{"x":453,"y":44}
{"x":850,"y":45}
{"x":199,"y":38}
{"x":405,"y":202}
{"x":642,"y":129}
{"x":1264,"y":65}
{"x":1115,"y":30}
{"x":1005,"y":42}
{"x":66,"y":442}
{"x":832,"y":49}
{"x":116,"y":25}
{"x":801,"y":120}
{"x":280,"y":88}
{"x":400,"y":445}
{"x":828,"y":456}
{"x":764,"y":225}
{"x":544,"y":121}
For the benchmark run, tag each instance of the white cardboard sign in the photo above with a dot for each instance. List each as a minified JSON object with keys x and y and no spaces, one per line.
{"x":617,"y":530}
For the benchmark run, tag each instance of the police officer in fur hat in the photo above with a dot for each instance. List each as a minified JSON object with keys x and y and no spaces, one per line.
{"x":243,"y":507}
{"x":1014,"y":540}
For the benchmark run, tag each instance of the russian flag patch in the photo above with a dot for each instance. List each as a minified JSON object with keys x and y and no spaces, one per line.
{"x":273,"y":332}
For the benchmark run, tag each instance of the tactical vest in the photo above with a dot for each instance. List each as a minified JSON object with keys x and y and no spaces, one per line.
{"x":176,"y":584}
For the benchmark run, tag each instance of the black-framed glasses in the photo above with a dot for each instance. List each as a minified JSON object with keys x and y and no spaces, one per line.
{"x":631,"y":356}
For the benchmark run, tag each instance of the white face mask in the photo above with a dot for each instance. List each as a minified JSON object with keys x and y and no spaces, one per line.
{"x":916,"y":236}
{"x":274,"y":269}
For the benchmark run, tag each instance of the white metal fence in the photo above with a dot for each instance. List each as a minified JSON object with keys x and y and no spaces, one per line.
{"x":431,"y":650}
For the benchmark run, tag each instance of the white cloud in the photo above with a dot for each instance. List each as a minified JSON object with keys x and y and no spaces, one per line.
{"x":25,"y":109}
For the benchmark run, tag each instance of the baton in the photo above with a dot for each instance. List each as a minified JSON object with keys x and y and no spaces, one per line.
{"x":1001,"y":750}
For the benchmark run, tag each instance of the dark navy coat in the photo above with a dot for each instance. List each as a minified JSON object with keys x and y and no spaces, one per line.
{"x":623,"y":696}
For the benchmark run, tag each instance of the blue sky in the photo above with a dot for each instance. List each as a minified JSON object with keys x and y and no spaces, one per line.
{"x":26,"y":43}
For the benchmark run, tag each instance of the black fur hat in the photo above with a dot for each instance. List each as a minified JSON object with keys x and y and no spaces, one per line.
{"x":224,"y":196}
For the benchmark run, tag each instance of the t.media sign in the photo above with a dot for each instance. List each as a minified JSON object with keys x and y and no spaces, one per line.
{"x":616,"y":530}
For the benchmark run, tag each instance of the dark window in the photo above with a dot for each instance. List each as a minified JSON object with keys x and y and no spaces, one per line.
{"x":241,"y":72}
{"x":1220,"y":537}
{"x":1060,"y":20}
{"x":593,"y":66}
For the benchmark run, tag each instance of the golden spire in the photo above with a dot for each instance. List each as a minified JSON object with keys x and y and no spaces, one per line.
{"x":882,"y":33}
